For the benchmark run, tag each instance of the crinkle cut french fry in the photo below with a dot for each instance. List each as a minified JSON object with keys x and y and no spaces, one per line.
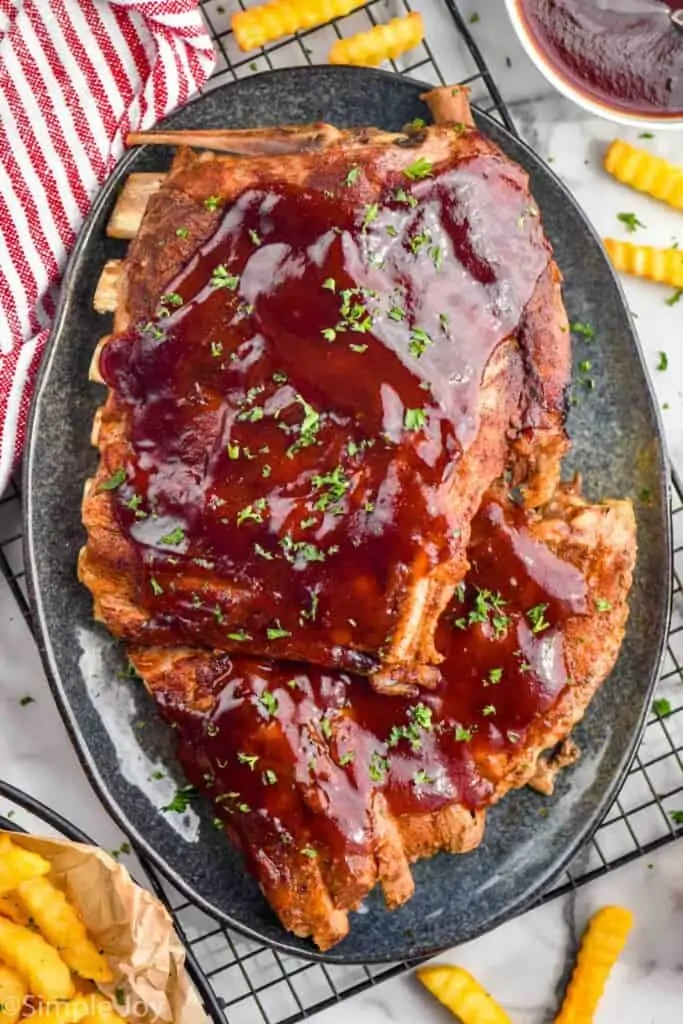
{"x":17,"y":865}
{"x":662,"y":265}
{"x":41,"y":966}
{"x":601,"y":947}
{"x":645,"y":172}
{"x":383,"y":42}
{"x":267,"y":22}
{"x":11,"y":907}
{"x":59,"y":923}
{"x":462,"y":994}
{"x":12,"y":995}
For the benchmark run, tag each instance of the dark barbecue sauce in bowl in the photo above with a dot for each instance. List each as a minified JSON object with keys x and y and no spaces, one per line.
{"x":627,"y":54}
{"x":291,"y":755}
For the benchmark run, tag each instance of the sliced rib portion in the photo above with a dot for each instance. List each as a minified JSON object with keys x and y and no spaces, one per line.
{"x":329,"y":788}
{"x":327,"y":350}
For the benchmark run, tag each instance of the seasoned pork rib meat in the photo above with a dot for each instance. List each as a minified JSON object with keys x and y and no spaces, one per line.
{"x":324,"y":358}
{"x":329,"y":788}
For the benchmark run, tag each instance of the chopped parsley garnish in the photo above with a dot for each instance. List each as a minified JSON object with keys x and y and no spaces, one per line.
{"x":676,"y":817}
{"x":474,"y":18}
{"x":118,"y":852}
{"x":269,"y":777}
{"x":181,"y":800}
{"x":490,"y":709}
{"x":254,"y":512}
{"x":585,"y":366}
{"x":218,"y":615}
{"x":420,"y":778}
{"x":176,"y":536}
{"x":417,"y":123}
{"x":414,"y":419}
{"x":276,"y":632}
{"x":675,"y":297}
{"x":422,"y":715}
{"x":261,"y":551}
{"x":212,"y":203}
{"x":401,"y":196}
{"x":330,"y":284}
{"x":266,"y":471}
{"x":279,"y":378}
{"x":645,"y":135}
{"x":352,"y":177}
{"x":421,"y":168}
{"x":157,"y":589}
{"x":270,"y":702}
{"x":25,"y":701}
{"x":216,"y":349}
{"x":418,"y":241}
{"x":182,"y":232}
{"x":326,"y":728}
{"x":240,"y":635}
{"x":212,"y":729}
{"x":308,"y":429}
{"x":334,"y":485}
{"x":221,"y":278}
{"x":391,"y":231}
{"x":419,"y":342}
{"x":233,"y":450}
{"x":663,"y":363}
{"x":248,"y":759}
{"x":585,"y":330}
{"x":602,"y":605}
{"x":397,"y":313}
{"x":495,"y":676}
{"x":536,"y":616}
{"x":630,"y":221}
{"x":371,"y":214}
{"x":114,"y":481}
{"x":329,"y":333}
{"x":347,"y":758}
{"x":463,"y":735}
{"x":254,"y":236}
{"x":300,"y":549}
{"x":488,"y":610}
{"x":661,"y":707}
{"x":171,"y":299}
{"x":378,"y":767}
{"x":308,"y":851}
{"x":311,"y":612}
{"x":436,"y":253}
{"x":358,"y":348}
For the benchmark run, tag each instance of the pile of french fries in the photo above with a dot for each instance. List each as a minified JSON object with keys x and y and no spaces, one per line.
{"x":49,"y":966}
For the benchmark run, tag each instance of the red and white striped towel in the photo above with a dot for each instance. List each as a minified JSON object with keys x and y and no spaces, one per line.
{"x":75,"y":77}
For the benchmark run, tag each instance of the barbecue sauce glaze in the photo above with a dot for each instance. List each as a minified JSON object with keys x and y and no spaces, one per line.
{"x":291,"y":755}
{"x":625,"y":52}
{"x":298,"y":408}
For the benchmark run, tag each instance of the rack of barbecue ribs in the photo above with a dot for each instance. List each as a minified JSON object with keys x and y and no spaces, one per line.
{"x":327,"y":517}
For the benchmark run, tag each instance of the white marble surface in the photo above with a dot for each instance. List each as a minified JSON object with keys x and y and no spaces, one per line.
{"x":524,"y":962}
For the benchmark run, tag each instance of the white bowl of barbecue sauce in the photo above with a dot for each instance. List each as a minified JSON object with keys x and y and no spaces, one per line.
{"x":619,"y":59}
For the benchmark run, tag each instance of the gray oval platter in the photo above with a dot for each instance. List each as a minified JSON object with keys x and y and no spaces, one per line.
{"x":125,"y":749}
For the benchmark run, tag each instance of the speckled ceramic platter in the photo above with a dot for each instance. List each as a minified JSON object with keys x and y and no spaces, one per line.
{"x":125,"y":749}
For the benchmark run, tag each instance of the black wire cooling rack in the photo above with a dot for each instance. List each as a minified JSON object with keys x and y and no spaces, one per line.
{"x":240,"y":981}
